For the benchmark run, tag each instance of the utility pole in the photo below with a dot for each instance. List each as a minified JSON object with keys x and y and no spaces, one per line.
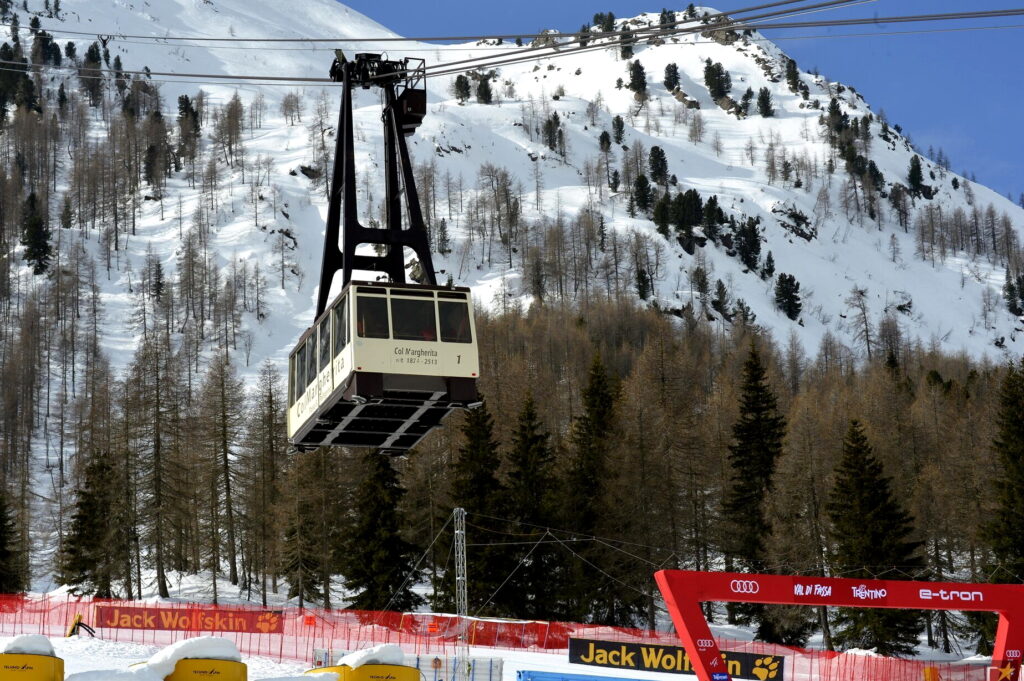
{"x":462,"y":671}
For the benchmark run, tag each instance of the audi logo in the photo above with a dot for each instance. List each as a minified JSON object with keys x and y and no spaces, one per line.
{"x":744,"y":586}
{"x":1010,"y":654}
{"x":704,"y":643}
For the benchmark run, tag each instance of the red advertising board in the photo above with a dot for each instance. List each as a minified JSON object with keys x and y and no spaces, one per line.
{"x":192,"y":619}
{"x":685,"y":590}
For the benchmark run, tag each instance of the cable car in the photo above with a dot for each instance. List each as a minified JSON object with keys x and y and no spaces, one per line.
{"x":385,"y":361}
{"x":383,"y":366}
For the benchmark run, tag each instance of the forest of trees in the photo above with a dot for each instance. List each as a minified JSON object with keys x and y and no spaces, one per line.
{"x":618,"y":437}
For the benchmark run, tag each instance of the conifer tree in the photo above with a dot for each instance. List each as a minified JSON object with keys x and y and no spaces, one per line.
{"x":764,"y":103}
{"x":618,"y":129}
{"x":301,"y":539}
{"x":12,"y":580}
{"x":592,"y":596}
{"x":89,"y":562}
{"x":642,"y":193}
{"x":1005,"y":531}
{"x":378,"y":563}
{"x":475,"y":487}
{"x":533,"y":590}
{"x":483,"y":91}
{"x":637,"y":78}
{"x":871,"y":532}
{"x":671,"y":76}
{"x":915,"y":176}
{"x":659,"y":165}
{"x":35,"y":235}
{"x":461,"y":88}
{"x":753,"y":455}
{"x":787,"y":295}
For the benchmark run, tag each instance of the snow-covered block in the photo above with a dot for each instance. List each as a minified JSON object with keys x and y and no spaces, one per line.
{"x":30,"y":657}
{"x":387,"y":653}
{"x":193,"y":658}
{"x":30,"y":644}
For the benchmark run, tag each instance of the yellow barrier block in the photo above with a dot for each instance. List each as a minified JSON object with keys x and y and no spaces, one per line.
{"x":21,"y":667}
{"x":931,"y":674}
{"x":371,"y":672}
{"x":204,"y":670}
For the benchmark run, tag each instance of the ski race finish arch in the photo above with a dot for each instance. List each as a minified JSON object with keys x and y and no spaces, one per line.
{"x":684,"y":591}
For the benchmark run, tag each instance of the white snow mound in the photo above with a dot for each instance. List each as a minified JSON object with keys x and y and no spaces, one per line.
{"x":202,"y":647}
{"x":162,"y":664}
{"x":30,"y":644}
{"x":387,"y":653}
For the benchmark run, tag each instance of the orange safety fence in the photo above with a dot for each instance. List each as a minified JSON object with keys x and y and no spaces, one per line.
{"x":290,"y":633}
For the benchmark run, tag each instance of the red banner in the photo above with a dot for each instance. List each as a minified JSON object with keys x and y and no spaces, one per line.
{"x":684,"y":591}
{"x":197,"y":619}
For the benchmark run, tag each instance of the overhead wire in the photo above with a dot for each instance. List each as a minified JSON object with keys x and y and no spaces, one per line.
{"x":447,"y":68}
{"x":660,"y":30}
{"x":582,"y":41}
{"x":444,"y":68}
{"x":503,"y":36}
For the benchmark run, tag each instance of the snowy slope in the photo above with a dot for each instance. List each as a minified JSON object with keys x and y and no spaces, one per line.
{"x":946,"y":296}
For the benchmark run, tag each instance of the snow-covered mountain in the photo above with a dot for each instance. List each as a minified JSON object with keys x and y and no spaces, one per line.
{"x":811,"y":220}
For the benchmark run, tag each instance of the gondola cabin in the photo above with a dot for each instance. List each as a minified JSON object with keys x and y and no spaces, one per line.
{"x":382,"y":366}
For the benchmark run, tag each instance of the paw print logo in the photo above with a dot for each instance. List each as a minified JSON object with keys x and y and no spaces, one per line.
{"x":766,"y":668}
{"x":267,"y":622}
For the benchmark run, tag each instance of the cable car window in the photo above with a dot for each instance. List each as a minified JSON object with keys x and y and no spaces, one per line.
{"x":311,"y":359}
{"x":414,"y":319}
{"x":372,"y":317}
{"x":454,"y":322}
{"x":325,"y":343}
{"x":340,"y":316}
{"x":300,"y":372}
{"x":291,"y":380}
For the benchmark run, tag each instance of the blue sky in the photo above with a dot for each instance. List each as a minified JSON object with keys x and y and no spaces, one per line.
{"x":961,"y":91}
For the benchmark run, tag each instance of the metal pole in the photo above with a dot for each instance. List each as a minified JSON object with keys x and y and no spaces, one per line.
{"x":462,"y":672}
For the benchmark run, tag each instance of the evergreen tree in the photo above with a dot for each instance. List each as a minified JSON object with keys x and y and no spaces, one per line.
{"x":12,"y":579}
{"x":787,"y":295}
{"x":35,"y":235}
{"x":1005,"y":531}
{"x":462,"y":88}
{"x":67,"y":215}
{"x":483,"y":91}
{"x":659,"y":165}
{"x":614,"y":183}
{"x":626,"y":41}
{"x":748,"y":243}
{"x":301,"y":544}
{"x":757,"y":445}
{"x":745,"y":100}
{"x":671,"y":76}
{"x":593,"y":596}
{"x":662,"y":214}
{"x":475,"y":487}
{"x":687,"y":211}
{"x":870,"y":532}
{"x":717,"y":80}
{"x":666,"y":18}
{"x":915,"y":176}
{"x":618,"y":129}
{"x":378,"y":562}
{"x":642,"y":193}
{"x":534,"y":589}
{"x":792,"y":75}
{"x":88,"y":563}
{"x":764,"y":103}
{"x":637,"y":78}
{"x":768,"y":271}
{"x":604,"y":142}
